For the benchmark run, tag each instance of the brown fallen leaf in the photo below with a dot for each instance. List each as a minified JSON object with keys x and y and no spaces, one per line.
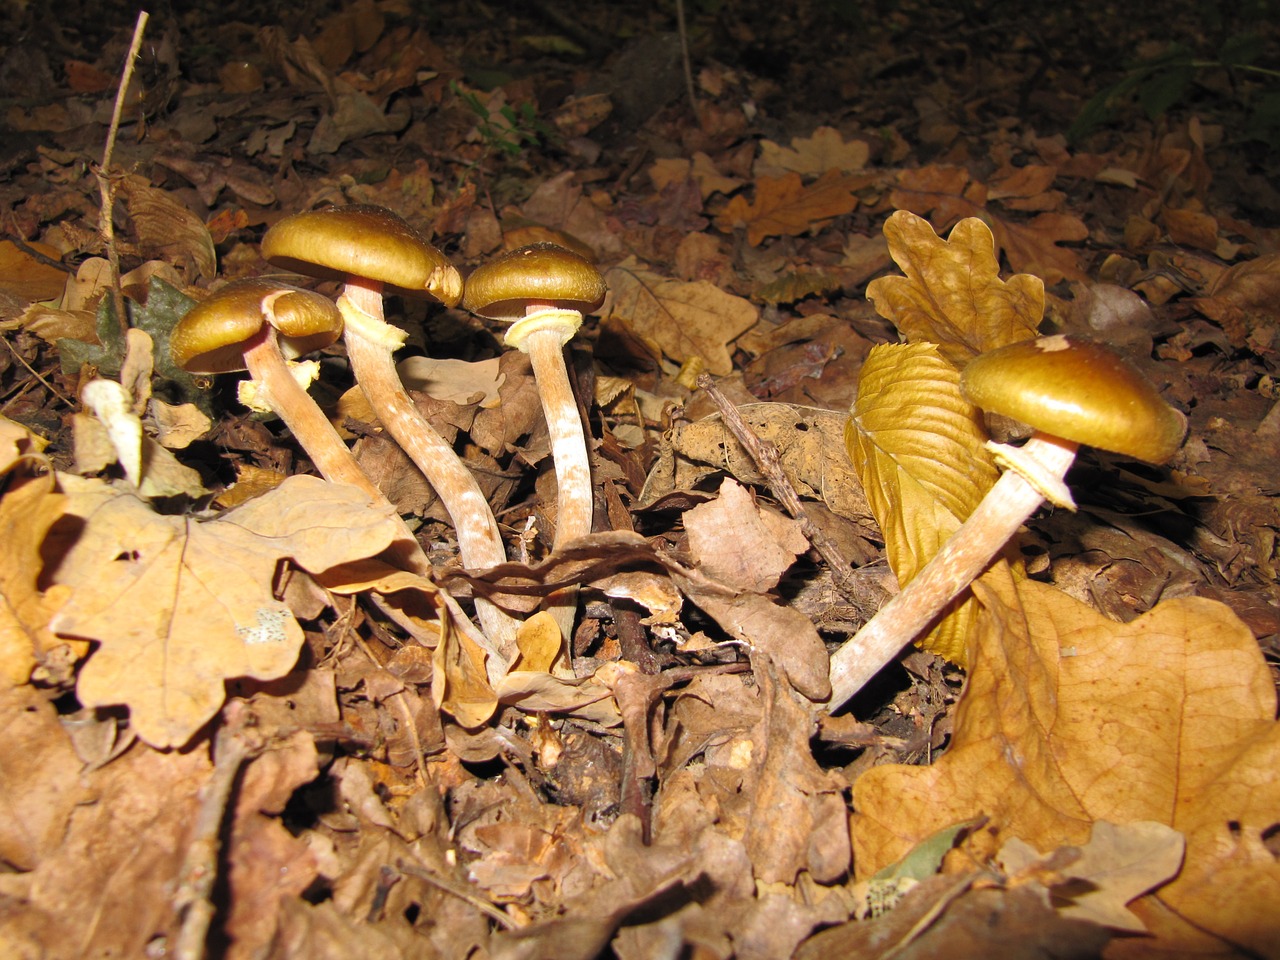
{"x":733,"y":540}
{"x":681,"y":320}
{"x":814,"y":155}
{"x":785,"y":207}
{"x":177,"y":607}
{"x":29,"y":508}
{"x":1242,"y":300}
{"x":952,"y":294}
{"x":810,"y":444}
{"x":1070,"y":718}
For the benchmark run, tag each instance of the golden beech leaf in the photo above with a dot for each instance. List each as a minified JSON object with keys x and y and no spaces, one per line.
{"x":918,"y":446}
{"x":177,"y":607}
{"x":952,"y":294}
{"x":681,"y":320}
{"x":1069,"y":718}
{"x":785,"y":207}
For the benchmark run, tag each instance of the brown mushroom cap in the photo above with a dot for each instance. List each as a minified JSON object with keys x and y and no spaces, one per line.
{"x":541,"y":273}
{"x":362,"y":240}
{"x":212,"y":336}
{"x":1077,"y":390}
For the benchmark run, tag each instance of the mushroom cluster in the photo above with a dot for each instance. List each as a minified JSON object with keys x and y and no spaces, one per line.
{"x":259,"y":325}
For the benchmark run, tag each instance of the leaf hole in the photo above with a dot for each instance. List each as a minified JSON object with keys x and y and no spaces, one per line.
{"x":1271,"y":840}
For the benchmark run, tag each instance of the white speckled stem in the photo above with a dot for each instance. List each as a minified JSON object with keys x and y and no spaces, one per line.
{"x":961,"y":560}
{"x":479,"y":542}
{"x":569,"y":451}
{"x":315,"y":434}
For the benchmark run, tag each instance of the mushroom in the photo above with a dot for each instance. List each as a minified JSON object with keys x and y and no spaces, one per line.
{"x":542,"y":290}
{"x":1070,"y":392}
{"x":372,"y":251}
{"x":257,"y":325}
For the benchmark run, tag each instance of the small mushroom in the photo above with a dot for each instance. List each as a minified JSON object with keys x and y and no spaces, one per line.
{"x":542,"y":290}
{"x":257,"y":325}
{"x":372,"y":251}
{"x":1070,"y":392}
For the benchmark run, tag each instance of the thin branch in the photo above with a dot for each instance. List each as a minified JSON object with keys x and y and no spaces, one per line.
{"x":106,"y":187}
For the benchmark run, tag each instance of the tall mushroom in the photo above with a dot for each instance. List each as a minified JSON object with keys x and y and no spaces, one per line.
{"x":372,"y":250}
{"x":542,"y":290}
{"x":1070,"y":392}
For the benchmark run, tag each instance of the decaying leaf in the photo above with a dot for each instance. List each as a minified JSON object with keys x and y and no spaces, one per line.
{"x":1117,"y":865}
{"x":177,"y":606}
{"x":785,"y":207}
{"x":814,"y":155}
{"x":680,"y":320}
{"x":810,"y":444}
{"x":1070,"y":718}
{"x":952,"y":294}
{"x":919,"y":448}
{"x":737,"y":543}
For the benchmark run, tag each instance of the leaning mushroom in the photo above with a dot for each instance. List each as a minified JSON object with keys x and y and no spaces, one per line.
{"x":255,"y":325}
{"x":372,"y":251}
{"x":542,"y":290}
{"x":1070,"y":392}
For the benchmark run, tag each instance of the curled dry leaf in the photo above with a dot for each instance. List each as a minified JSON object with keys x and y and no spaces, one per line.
{"x":1070,"y":718}
{"x":919,"y":448}
{"x":177,"y":607}
{"x":678,"y":319}
{"x":952,"y":294}
{"x":810,"y":446}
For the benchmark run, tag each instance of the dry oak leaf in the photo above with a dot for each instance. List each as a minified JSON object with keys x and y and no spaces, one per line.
{"x":177,"y":607}
{"x":785,"y":207}
{"x":681,"y":320}
{"x":809,"y":441}
{"x":952,"y":294}
{"x":27,"y":511}
{"x":1069,"y":718}
{"x":166,"y":229}
{"x":1243,"y":299}
{"x":815,"y":155}
{"x":734,"y":541}
{"x":919,"y":449}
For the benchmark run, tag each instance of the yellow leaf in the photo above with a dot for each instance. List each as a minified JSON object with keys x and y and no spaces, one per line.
{"x":952,"y":294}
{"x":539,"y":641}
{"x":681,"y":320}
{"x":27,"y":512}
{"x":177,"y":607}
{"x":918,"y":446}
{"x":1070,"y":718}
{"x":459,"y":682}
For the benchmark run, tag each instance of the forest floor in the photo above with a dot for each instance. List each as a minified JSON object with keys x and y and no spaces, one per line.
{"x":253,"y":713}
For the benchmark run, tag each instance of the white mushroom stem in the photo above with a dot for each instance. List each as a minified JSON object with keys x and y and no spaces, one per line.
{"x":298,"y":410}
{"x":962,"y":559}
{"x":542,"y":334}
{"x":371,"y":343}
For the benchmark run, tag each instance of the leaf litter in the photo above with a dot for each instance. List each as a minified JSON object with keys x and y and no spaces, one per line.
{"x":188,"y":615}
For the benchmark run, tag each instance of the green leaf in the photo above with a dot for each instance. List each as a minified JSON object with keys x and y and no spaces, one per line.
{"x":1162,"y":90}
{"x":107,"y":354}
{"x":918,"y":447}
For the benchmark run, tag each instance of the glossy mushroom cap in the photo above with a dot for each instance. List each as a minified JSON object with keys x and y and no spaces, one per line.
{"x":362,"y":240}
{"x":211,"y":338}
{"x":539,"y":274}
{"x":1077,"y":390}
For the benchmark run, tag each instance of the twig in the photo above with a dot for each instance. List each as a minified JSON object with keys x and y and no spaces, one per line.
{"x":194,"y":896}
{"x":765,"y":455}
{"x":687,"y":62}
{"x":106,"y":188}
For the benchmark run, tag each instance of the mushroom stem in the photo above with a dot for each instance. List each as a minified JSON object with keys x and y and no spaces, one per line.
{"x":542,"y":334}
{"x":371,"y":342}
{"x":968,"y":551}
{"x":334,"y":460}
{"x":298,"y":411}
